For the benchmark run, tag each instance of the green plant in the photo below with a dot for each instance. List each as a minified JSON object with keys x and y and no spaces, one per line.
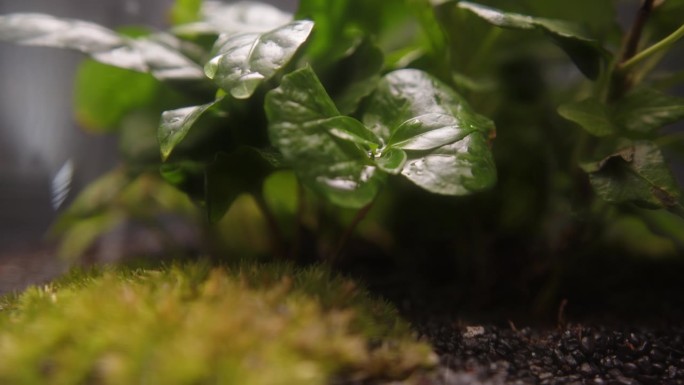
{"x":348,"y":94}
{"x":194,"y":324}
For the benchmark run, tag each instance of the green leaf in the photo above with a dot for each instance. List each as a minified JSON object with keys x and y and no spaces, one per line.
{"x":104,"y":95}
{"x":175,"y":125}
{"x":592,"y":115}
{"x":645,"y":110}
{"x":354,"y":76}
{"x":234,"y":18}
{"x":150,"y":54}
{"x":585,"y":52}
{"x":241,"y":171}
{"x":244,"y":61}
{"x":635,"y":173}
{"x":445,"y":142}
{"x":185,"y":11}
{"x":325,"y":149}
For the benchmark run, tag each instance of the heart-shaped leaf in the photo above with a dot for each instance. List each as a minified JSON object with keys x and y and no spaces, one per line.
{"x":585,"y":52}
{"x":445,"y":143}
{"x":635,"y":173}
{"x":244,"y":61}
{"x":175,"y":125}
{"x":233,"y":18}
{"x":326,"y":150}
{"x":147,"y":54}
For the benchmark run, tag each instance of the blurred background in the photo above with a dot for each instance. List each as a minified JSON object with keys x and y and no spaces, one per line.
{"x":39,"y":134}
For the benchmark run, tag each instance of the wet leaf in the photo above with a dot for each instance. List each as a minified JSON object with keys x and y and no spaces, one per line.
{"x":445,"y":142}
{"x":635,"y":173}
{"x":102,"y":44}
{"x":585,"y":52}
{"x":244,"y":61}
{"x":175,"y":125}
{"x":234,"y":18}
{"x":592,"y":115}
{"x":645,"y":110}
{"x":324,"y":148}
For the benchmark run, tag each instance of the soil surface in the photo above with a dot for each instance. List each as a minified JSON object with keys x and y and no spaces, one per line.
{"x":576,"y":354}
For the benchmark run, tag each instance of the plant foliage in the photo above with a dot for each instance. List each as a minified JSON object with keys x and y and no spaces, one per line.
{"x":351,"y":96}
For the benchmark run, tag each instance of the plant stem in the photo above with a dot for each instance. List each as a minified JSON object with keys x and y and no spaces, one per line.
{"x":360,"y":215}
{"x":277,"y":243}
{"x":634,"y":35}
{"x":661,"y":45}
{"x":621,"y":79}
{"x":299,"y":222}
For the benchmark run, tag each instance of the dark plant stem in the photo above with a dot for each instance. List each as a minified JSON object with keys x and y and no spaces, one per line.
{"x":277,"y":240}
{"x":360,"y":215}
{"x":622,"y":80}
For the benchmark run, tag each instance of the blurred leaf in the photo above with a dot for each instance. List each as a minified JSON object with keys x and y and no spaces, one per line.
{"x":355,"y":76}
{"x":635,"y":173}
{"x":645,"y":110}
{"x":176,"y":124}
{"x":592,"y":115}
{"x":340,"y":24}
{"x":104,"y":95}
{"x":234,"y":18}
{"x":102,"y":44}
{"x":81,"y":235}
{"x":321,"y":145}
{"x":445,"y":142}
{"x":244,"y":61}
{"x":241,"y":171}
{"x":185,"y":11}
{"x":585,"y":52}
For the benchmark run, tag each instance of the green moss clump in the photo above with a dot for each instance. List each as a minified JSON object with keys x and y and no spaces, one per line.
{"x":197,"y":324}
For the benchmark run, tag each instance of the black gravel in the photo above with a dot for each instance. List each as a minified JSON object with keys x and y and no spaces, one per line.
{"x":575,"y":355}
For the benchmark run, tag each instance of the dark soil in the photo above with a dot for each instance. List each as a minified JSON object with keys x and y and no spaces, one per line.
{"x":577,"y":354}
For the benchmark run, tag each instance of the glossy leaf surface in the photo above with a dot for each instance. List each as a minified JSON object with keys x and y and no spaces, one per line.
{"x":324,"y":148}
{"x":244,"y":61}
{"x":175,"y":125}
{"x":585,"y":52}
{"x":445,"y":142}
{"x":102,"y":44}
{"x":635,"y":173}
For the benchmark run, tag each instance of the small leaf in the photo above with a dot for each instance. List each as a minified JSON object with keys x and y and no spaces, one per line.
{"x":592,"y":115}
{"x":244,"y":61}
{"x":148,"y":54}
{"x":585,"y":52}
{"x":445,"y":142}
{"x":635,"y":173}
{"x":645,"y":110}
{"x":234,"y":18}
{"x":326,"y":150}
{"x":391,"y":161}
{"x":175,"y":125}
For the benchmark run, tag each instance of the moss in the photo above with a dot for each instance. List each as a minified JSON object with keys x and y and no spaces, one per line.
{"x":197,"y":324}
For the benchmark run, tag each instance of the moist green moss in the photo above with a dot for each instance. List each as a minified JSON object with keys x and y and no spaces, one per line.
{"x":198,"y":324}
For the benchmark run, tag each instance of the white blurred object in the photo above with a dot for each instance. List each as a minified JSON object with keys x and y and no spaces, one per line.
{"x":61,"y":184}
